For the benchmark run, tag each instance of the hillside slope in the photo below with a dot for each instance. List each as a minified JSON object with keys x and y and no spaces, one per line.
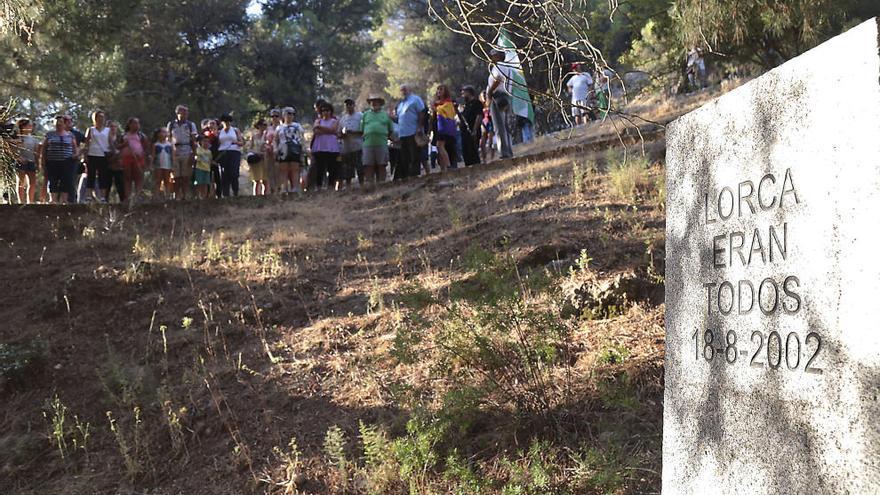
{"x":502,"y":334}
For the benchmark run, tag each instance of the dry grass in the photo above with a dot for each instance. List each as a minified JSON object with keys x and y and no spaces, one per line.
{"x":238,"y":326}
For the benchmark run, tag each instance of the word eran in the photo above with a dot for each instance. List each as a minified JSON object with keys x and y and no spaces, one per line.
{"x":769,"y":244}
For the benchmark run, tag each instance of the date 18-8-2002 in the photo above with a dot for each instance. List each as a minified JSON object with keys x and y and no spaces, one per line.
{"x":765,"y":350}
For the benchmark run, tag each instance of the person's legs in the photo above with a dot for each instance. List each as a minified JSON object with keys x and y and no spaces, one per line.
{"x":55,"y":181}
{"x":295,"y":178}
{"x":442,"y":155}
{"x":121,"y":188}
{"x":409,"y":158}
{"x":271,"y":174}
{"x":91,"y":177}
{"x":320,"y":169}
{"x":228,"y":173}
{"x":336,"y":174}
{"x":216,"y":180}
{"x":234,"y":171}
{"x":499,"y":120}
{"x":21,"y":190}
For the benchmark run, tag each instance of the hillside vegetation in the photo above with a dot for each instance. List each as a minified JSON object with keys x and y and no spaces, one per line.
{"x":500,"y":335}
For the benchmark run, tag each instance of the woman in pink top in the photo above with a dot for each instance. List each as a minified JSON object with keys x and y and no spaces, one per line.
{"x":134,"y":153}
{"x":325,"y":147}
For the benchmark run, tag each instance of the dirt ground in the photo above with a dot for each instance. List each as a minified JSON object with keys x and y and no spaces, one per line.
{"x":187,"y":343}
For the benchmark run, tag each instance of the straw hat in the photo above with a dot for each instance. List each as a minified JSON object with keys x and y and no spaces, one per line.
{"x":374,"y":98}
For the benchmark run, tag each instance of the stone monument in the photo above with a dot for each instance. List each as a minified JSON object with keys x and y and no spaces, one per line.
{"x":773,"y":281}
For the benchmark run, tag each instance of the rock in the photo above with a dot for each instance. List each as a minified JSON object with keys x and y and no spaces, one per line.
{"x":772,"y":354}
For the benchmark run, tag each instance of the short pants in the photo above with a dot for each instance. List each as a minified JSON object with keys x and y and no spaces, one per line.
{"x":182,"y":165}
{"x":201,"y":177}
{"x":258,"y":171}
{"x":375,"y":155}
{"x":26,"y":166}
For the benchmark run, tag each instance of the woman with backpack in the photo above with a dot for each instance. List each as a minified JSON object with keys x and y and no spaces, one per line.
{"x":289,"y":151}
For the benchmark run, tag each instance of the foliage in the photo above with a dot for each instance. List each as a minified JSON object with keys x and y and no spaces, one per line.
{"x":20,"y":362}
{"x":628,"y":177}
{"x":210,"y":55}
{"x":765,"y":32}
{"x":68,"y":435}
{"x":334,"y":448}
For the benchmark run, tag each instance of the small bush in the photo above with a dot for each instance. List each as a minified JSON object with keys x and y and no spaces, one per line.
{"x":20,"y":362}
{"x":334,"y":449}
{"x":614,"y":355}
{"x":628,"y":177}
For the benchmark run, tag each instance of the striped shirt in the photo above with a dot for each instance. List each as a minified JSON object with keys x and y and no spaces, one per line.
{"x":59,"y":147}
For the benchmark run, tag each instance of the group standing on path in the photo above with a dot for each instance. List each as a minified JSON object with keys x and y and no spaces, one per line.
{"x":188,"y":160}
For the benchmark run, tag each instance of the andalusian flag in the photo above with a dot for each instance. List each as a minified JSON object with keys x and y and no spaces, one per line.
{"x":522,"y":102}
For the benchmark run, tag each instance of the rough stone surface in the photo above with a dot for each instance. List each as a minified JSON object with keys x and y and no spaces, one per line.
{"x":801,"y":146}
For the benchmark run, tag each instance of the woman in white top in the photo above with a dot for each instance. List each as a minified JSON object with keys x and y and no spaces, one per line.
{"x":97,"y":165}
{"x":231,"y":141}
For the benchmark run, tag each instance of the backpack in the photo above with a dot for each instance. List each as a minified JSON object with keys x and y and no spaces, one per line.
{"x":190,"y":126}
{"x":289,"y":149}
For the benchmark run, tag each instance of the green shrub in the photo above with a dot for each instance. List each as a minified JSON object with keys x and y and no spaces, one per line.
{"x":628,"y":177}
{"x":23,"y":361}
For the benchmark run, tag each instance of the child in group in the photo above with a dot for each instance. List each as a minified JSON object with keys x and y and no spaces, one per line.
{"x":202,"y":170}
{"x":26,"y":166}
{"x":134,"y":154}
{"x":163,"y":151}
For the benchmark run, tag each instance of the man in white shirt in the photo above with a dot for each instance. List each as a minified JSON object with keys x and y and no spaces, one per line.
{"x":352,"y":142}
{"x":498,"y":93}
{"x":579,"y":87}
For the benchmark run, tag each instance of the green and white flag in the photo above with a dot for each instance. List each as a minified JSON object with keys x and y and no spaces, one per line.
{"x":522,"y":102}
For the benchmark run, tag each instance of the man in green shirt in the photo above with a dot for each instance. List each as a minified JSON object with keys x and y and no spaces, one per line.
{"x":377,"y":128}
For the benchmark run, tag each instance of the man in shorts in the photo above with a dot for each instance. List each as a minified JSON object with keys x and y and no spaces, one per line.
{"x":579,"y":87}
{"x":183,"y":134}
{"x":377,"y":130}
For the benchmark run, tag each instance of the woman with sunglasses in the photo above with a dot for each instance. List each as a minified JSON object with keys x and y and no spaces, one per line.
{"x":325,"y":147}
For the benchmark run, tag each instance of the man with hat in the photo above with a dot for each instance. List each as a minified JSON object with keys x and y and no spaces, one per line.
{"x":183,"y":134}
{"x":352,"y":135}
{"x":377,"y":128}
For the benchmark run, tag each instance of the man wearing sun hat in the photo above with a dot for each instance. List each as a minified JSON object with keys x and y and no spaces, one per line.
{"x":377,"y":128}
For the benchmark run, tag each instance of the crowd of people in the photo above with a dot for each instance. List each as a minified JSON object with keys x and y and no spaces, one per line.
{"x":189,"y":160}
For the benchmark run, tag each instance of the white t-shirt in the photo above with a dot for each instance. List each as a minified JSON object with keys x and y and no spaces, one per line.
{"x":351,"y":143}
{"x":579,"y":85}
{"x":501,"y":73}
{"x":99,"y":143}
{"x":229,"y":140}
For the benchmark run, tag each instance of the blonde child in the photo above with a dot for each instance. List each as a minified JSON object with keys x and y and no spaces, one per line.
{"x":202,"y":169}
